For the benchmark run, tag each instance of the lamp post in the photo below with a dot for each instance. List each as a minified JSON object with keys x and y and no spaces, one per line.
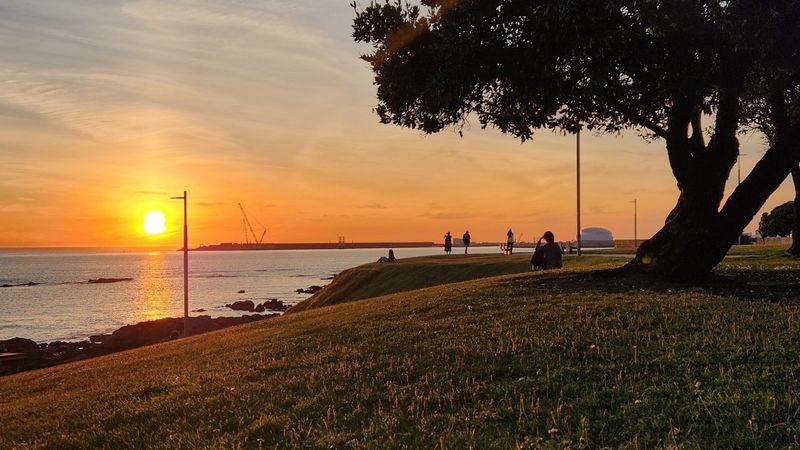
{"x":739,"y":165}
{"x":578,"y":183}
{"x":185,"y":267}
{"x":739,"y":171}
{"x":635,"y":224}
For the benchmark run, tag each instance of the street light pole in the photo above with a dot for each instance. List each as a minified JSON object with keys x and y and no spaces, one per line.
{"x":578,"y":183}
{"x":635,"y":224}
{"x":739,"y":166}
{"x":739,"y":170}
{"x":185,"y":267}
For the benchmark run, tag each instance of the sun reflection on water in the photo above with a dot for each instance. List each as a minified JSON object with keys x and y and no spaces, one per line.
{"x":154,"y":290}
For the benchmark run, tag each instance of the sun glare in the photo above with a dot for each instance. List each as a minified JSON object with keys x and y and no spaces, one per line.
{"x":154,"y":222}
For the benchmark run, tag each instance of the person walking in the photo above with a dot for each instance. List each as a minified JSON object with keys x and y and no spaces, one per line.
{"x":466,"y":240}
{"x":510,"y":241}
{"x":448,"y":243}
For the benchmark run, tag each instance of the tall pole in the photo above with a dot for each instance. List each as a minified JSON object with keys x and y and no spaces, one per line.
{"x":739,"y":166}
{"x":739,"y":170}
{"x":578,"y":171}
{"x":185,"y":269}
{"x":635,"y":224}
{"x":185,"y":265}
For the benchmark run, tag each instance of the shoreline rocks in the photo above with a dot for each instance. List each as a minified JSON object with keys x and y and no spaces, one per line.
{"x":25,"y":354}
{"x":309,"y":290}
{"x":272,"y":304}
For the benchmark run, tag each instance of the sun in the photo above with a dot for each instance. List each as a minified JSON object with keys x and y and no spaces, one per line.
{"x":154,"y":222}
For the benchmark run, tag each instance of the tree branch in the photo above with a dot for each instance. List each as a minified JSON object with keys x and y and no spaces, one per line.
{"x":678,"y":149}
{"x":776,"y":164}
{"x":777,"y":109}
{"x":642,"y":121}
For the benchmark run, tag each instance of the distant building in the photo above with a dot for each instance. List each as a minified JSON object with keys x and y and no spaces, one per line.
{"x":596,"y":237}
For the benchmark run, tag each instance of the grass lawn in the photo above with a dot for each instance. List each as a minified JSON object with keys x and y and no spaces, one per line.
{"x":375,"y":279}
{"x":515,"y":361}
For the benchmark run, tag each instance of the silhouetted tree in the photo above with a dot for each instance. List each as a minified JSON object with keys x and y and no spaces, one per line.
{"x":795,"y":247}
{"x":763,"y":226}
{"x":778,"y":222}
{"x":656,"y":66}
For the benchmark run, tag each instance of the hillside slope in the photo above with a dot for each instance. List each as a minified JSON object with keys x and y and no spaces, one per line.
{"x":375,"y":279}
{"x":522,"y":361}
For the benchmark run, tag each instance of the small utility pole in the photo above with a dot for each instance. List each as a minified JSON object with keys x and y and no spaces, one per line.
{"x":185,"y":267}
{"x":578,"y":171}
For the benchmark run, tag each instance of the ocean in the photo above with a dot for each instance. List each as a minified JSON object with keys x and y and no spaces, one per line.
{"x":63,"y":305}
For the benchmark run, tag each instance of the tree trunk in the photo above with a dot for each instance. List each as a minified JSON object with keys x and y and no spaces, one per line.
{"x":697,"y":235}
{"x":795,"y":248}
{"x":690,"y":242}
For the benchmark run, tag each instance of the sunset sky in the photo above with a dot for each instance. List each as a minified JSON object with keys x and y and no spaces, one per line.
{"x":108,"y":108}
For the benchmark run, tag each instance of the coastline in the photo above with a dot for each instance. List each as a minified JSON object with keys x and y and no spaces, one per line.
{"x":21,"y":354}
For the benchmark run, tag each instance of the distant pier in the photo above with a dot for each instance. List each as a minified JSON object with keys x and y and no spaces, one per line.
{"x":232,"y":246}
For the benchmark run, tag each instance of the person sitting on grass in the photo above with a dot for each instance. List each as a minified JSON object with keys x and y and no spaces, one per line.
{"x":547,"y":256}
{"x":391,"y":257}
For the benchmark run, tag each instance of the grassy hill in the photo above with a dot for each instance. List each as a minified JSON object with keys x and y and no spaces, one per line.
{"x":525,"y":361}
{"x":375,"y":279}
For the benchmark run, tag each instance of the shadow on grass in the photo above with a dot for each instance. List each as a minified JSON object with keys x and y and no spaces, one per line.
{"x":766,"y":285}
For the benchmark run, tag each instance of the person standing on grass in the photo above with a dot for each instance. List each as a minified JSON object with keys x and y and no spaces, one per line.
{"x":448,"y":243}
{"x":510,"y":241}
{"x":466,"y":240}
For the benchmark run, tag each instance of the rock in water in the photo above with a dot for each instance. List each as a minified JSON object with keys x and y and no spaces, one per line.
{"x":242,"y":305}
{"x":274,"y":304}
{"x":109,"y":280}
{"x":310,"y":290}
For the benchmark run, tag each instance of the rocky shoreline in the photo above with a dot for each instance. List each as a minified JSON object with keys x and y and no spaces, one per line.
{"x":20,"y":354}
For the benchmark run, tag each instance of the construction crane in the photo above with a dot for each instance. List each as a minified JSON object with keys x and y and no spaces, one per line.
{"x":250,"y":227}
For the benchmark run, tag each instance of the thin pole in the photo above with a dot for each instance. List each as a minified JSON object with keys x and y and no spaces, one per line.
{"x":185,"y":269}
{"x":739,"y":166}
{"x":739,"y":170}
{"x":635,"y":224}
{"x":578,"y":171}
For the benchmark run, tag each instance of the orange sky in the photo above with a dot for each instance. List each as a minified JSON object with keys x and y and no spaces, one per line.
{"x":108,"y":109}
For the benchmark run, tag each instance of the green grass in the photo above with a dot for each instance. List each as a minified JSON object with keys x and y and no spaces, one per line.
{"x":517,"y":361}
{"x":376,"y":279}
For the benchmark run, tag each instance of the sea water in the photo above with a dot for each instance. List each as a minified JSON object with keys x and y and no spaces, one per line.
{"x":63,"y":305}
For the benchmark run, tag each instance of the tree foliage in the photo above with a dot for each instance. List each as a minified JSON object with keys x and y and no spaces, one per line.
{"x":777,"y":222}
{"x":521,"y":65}
{"x":659,"y":67}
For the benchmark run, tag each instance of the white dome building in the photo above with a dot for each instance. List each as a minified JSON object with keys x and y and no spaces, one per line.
{"x":596,"y":237}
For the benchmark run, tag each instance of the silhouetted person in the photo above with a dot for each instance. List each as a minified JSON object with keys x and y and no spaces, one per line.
{"x":448,"y":243}
{"x":510,"y":241}
{"x":547,"y":256}
{"x":390,"y":258}
{"x":466,"y":240}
